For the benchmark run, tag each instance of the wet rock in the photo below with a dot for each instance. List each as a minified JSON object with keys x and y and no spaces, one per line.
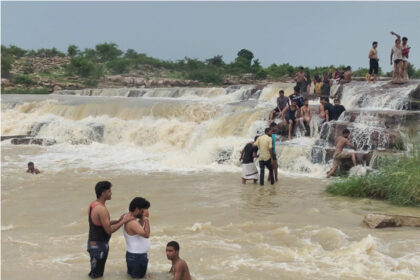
{"x":382,"y":221}
{"x":12,"y":136}
{"x":33,"y":141}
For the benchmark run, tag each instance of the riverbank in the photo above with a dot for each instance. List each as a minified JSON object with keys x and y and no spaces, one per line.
{"x":397,"y":181}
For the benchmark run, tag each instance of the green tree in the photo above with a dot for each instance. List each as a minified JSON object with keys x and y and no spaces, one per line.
{"x":130,"y":54}
{"x":215,"y":60}
{"x":246,"y":54}
{"x":72,"y":50}
{"x":120,"y":65}
{"x":107,"y":51}
{"x":6,"y":64}
{"x":16,"y":51}
{"x":85,"y":68}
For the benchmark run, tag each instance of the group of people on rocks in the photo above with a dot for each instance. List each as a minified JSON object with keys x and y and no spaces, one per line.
{"x":136,"y":230}
{"x":399,"y":58}
{"x":322,"y":84}
{"x":295,"y":110}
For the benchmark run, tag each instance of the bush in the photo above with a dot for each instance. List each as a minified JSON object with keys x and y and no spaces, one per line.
{"x":206,"y":76}
{"x":24,"y":80}
{"x":119,"y":66}
{"x":6,"y":65}
{"x":85,"y":68}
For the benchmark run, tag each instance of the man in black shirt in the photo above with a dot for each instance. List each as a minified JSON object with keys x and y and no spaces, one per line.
{"x":328,"y":108}
{"x":297,"y":97}
{"x":249,"y":170}
{"x":337,"y":110}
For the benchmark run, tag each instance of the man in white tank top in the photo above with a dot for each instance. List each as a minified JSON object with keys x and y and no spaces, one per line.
{"x":136,"y":234}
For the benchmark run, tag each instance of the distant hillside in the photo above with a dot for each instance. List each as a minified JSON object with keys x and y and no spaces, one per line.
{"x":46,"y":70}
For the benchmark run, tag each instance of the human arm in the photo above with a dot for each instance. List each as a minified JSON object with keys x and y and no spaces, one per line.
{"x":103,"y":216}
{"x":242,"y":155}
{"x":113,"y":222}
{"x":348,"y":143}
{"x":285,"y":109}
{"x":392,"y":53}
{"x":395,"y":34}
{"x":327,"y":115}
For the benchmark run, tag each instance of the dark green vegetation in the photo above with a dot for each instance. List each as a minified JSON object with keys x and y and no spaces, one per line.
{"x":87,"y":67}
{"x":396,"y":180}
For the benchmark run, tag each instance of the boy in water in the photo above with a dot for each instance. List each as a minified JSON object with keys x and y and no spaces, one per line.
{"x":32,"y":169}
{"x":179,"y":267}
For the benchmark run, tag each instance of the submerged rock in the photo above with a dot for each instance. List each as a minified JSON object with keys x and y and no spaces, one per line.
{"x":33,"y":141}
{"x":381,"y":220}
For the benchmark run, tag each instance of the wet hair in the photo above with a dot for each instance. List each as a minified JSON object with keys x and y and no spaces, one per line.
{"x":346,"y":131}
{"x":296,"y":88}
{"x":405,"y":39}
{"x":256,"y":137}
{"x":325,"y":98}
{"x":293,"y":101}
{"x":396,"y":40}
{"x":281,"y":91}
{"x":174,"y":245}
{"x":306,"y":99}
{"x":101,"y":187}
{"x":30,"y":163}
{"x":348,"y":68}
{"x":267,"y":130}
{"x":138,"y":203}
{"x":374,"y":43}
{"x":301,"y":68}
{"x":272,"y":125}
{"x":336,"y":100}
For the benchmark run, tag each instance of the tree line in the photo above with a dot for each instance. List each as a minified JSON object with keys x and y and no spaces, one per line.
{"x":106,"y":59}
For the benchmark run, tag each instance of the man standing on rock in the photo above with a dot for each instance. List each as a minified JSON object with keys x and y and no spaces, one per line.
{"x":373,"y":61}
{"x":339,"y":155}
{"x":101,"y":228}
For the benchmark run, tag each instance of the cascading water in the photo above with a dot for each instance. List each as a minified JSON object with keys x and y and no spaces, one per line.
{"x":193,"y":129}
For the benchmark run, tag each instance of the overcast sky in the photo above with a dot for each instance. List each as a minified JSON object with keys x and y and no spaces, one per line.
{"x":300,"y":33}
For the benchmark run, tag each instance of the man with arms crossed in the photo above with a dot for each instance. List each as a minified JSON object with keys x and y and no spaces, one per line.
{"x":179,"y":267}
{"x":101,"y":228}
{"x":339,"y":155}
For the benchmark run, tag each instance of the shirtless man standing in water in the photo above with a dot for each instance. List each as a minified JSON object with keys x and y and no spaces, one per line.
{"x":339,"y":155}
{"x":179,"y":267}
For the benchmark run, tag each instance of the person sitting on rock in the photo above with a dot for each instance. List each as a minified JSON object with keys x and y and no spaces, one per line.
{"x":292,"y":117}
{"x":346,"y":78}
{"x":337,"y":110}
{"x":339,"y":155}
{"x":282,"y":102}
{"x":32,"y":169}
{"x":297,"y":97}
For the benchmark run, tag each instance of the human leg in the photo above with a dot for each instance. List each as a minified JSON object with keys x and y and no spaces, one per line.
{"x":270,"y":170}
{"x":262,"y":167}
{"x":136,"y":264}
{"x":98,"y":252}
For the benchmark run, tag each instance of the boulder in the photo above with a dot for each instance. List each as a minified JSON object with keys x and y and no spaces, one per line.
{"x":33,"y":141}
{"x":374,"y":220}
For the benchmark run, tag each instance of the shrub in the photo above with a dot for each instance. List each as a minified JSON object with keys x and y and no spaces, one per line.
{"x":6,"y":65}
{"x":206,"y":76}
{"x":85,"y":68}
{"x":119,"y":66}
{"x":72,"y":50}
{"x":24,"y":80}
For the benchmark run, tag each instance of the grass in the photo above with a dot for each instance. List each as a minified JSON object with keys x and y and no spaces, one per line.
{"x":26,"y":91}
{"x":396,"y":180}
